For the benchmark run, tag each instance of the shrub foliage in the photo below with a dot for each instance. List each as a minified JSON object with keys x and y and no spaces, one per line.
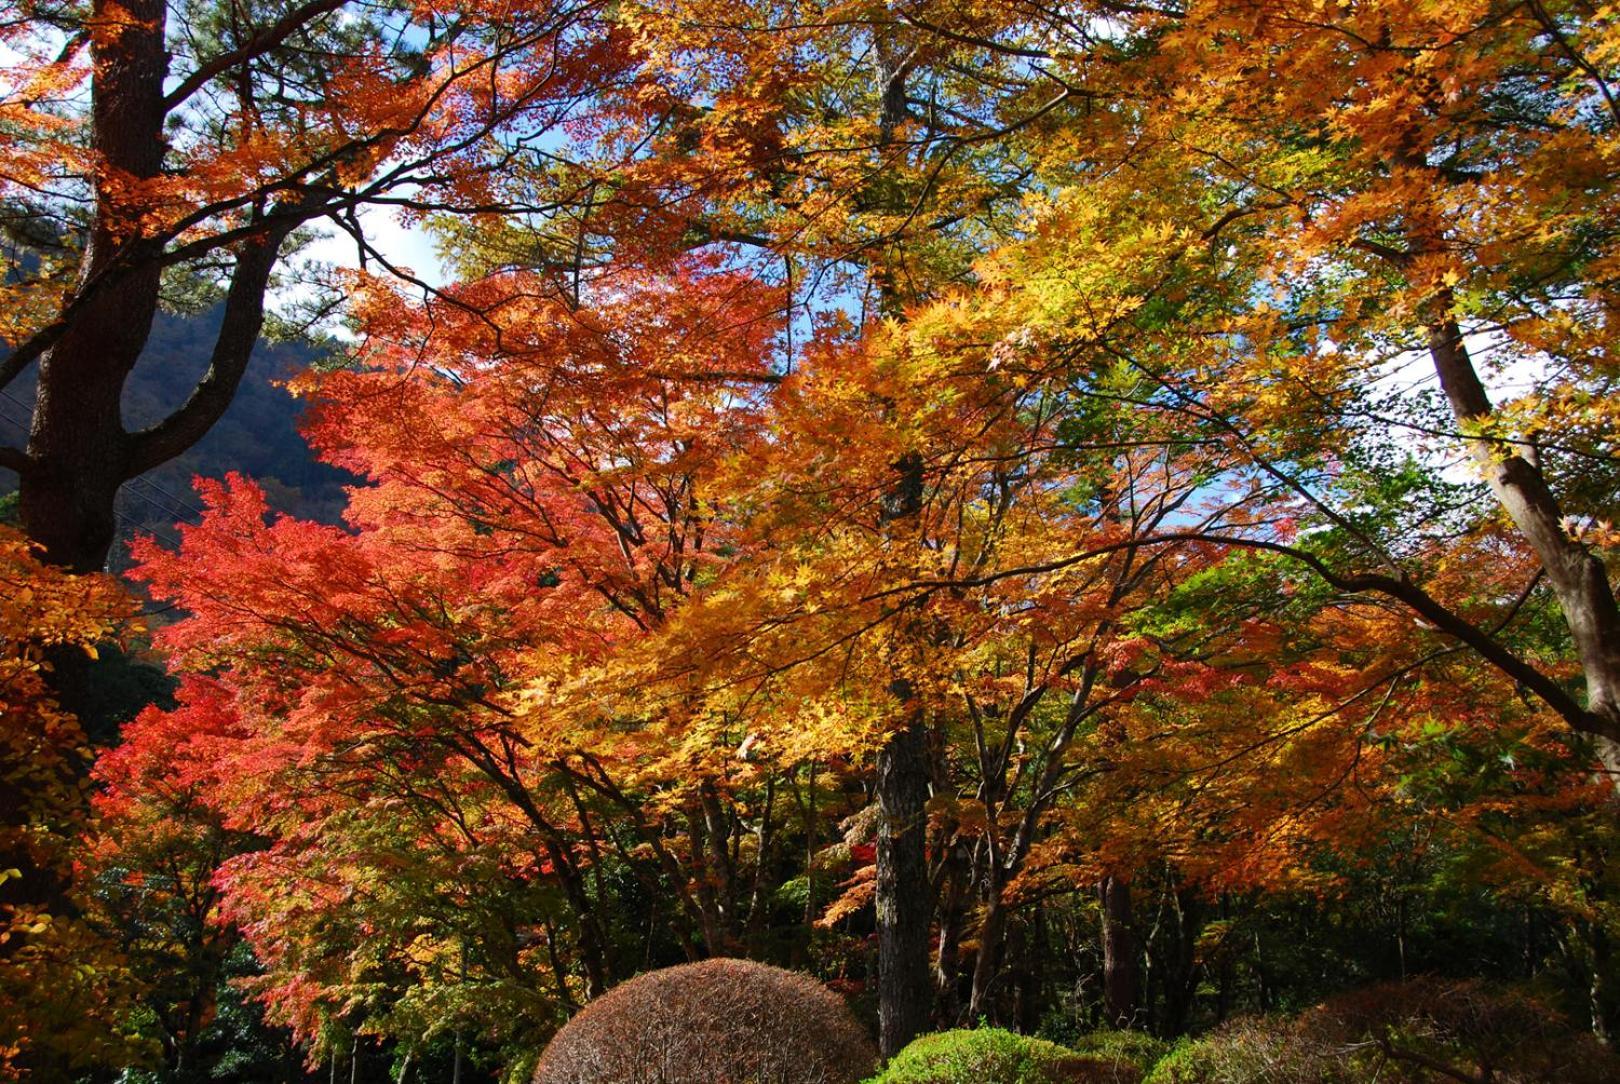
{"x":721,"y":1021}
{"x":1417,"y":1032}
{"x":994,"y":1056}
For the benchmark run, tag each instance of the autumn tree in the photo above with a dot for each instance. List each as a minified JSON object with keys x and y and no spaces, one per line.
{"x":1039,"y":413}
{"x":61,"y":983}
{"x":157,"y":150}
{"x":1273,"y":300}
{"x":861,"y":157}
{"x":1395,"y":186}
{"x":163,"y":153}
{"x":538,"y":505}
{"x":147,"y":866}
{"x":1218,"y":254}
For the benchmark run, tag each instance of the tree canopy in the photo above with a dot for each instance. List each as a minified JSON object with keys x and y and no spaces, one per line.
{"x":1055,"y":517}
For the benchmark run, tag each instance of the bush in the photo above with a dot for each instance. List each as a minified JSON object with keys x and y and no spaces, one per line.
{"x":1417,"y":1032}
{"x":993,"y":1056}
{"x":715,"y":1022}
{"x":1252,"y":1050}
{"x":1473,"y":1027}
{"x":1137,"y":1049}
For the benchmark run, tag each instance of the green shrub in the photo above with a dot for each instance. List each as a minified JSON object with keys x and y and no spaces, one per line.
{"x":994,"y":1056}
{"x":1135,"y":1048}
{"x":1251,"y":1051}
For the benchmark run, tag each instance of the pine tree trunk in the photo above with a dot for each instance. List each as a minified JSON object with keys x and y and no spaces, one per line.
{"x":904,"y":904}
{"x":77,"y":448}
{"x":1122,"y":978}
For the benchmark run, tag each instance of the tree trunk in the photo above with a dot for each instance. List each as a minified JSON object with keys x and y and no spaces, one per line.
{"x":78,"y":450}
{"x":76,"y":453}
{"x":592,"y":949}
{"x":1578,"y":577}
{"x":904,"y":895}
{"x":1600,"y":993}
{"x":952,"y":909}
{"x":1182,"y":970}
{"x":77,"y":447}
{"x":992,"y":949}
{"x":904,"y":906}
{"x":1122,"y":977}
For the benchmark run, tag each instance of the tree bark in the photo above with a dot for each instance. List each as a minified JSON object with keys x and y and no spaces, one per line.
{"x":1578,"y":577}
{"x":992,"y":949}
{"x":1122,"y":977}
{"x":904,"y":904}
{"x":952,"y":907}
{"x":1182,"y":969}
{"x":77,"y":448}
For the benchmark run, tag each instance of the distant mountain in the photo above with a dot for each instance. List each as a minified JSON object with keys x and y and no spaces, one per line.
{"x":258,"y":436}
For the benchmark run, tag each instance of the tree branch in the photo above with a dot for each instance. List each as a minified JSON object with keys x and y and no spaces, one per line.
{"x":244,"y":316}
{"x":1402,"y":589}
{"x":256,"y":46}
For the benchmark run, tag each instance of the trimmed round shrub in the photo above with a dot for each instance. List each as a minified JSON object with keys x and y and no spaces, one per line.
{"x":716,"y":1022}
{"x":994,"y":1056}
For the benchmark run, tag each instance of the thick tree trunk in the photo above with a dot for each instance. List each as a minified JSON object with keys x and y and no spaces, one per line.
{"x":77,"y":448}
{"x":79,"y":452}
{"x":1122,"y":976}
{"x":904,"y":893}
{"x":904,"y":904}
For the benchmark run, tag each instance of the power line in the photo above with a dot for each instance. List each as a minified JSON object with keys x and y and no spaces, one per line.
{"x":177,"y":507}
{"x":180,"y":508}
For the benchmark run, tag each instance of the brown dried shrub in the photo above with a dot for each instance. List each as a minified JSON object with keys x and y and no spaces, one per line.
{"x":715,"y":1022}
{"x":1443,"y":1029}
{"x":1423,"y":1031}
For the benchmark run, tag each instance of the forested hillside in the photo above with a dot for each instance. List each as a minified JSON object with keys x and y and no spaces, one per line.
{"x":258,"y":435}
{"x":915,"y":542}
